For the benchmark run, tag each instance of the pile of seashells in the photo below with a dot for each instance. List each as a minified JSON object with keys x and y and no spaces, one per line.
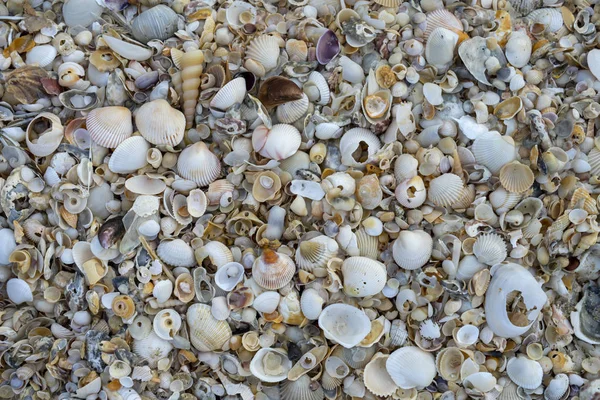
{"x":299,"y":199}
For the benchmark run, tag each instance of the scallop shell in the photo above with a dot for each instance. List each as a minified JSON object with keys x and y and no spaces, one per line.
{"x":191,"y":69}
{"x":315,"y":252}
{"x":176,"y":253}
{"x":264,"y":49}
{"x":518,"y":49}
{"x":344,"y":324}
{"x":206,"y":333}
{"x":18,"y":291}
{"x":297,"y":50}
{"x":232,"y":93}
{"x":412,"y":249}
{"x":129,"y":156}
{"x":229,"y":275}
{"x":273,"y":270}
{"x":557,"y":387}
{"x":152,"y":349}
{"x":442,"y":18}
{"x":445,"y":190}
{"x":277,"y":143}
{"x":198,"y":164}
{"x":516,"y":177}
{"x":363,"y":276}
{"x":405,"y":167}
{"x":494,"y":151}
{"x":439,"y":50}
{"x":368,"y":245}
{"x":524,"y":372}
{"x":160,"y":124}
{"x":410,"y":367}
{"x":301,"y":389}
{"x":311,"y":304}
{"x":41,"y":55}
{"x":593,"y":62}
{"x":376,"y":377}
{"x":292,"y":111}
{"x":490,"y":248}
{"x":159,"y":22}
{"x":270,"y":365}
{"x":109,"y":126}
{"x":81,"y":13}
{"x":354,"y":139}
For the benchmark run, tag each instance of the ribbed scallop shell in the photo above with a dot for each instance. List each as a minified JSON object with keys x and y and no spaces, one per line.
{"x":319,"y":81}
{"x":490,"y":249}
{"x":557,"y":387}
{"x":265,"y":50}
{"x":152,"y":349}
{"x":363,"y":276}
{"x":197,"y":163}
{"x":502,"y":200}
{"x":516,"y":177}
{"x":176,"y":253}
{"x":278,"y":143}
{"x":191,"y":69}
{"x":129,"y":156}
{"x":232,"y":93}
{"x":410,"y":367}
{"x":315,"y":253}
{"x":442,"y":19}
{"x":389,"y":3}
{"x":109,"y":126}
{"x":273,"y":270}
{"x":160,"y":124}
{"x":301,"y":389}
{"x":594,"y":161}
{"x":445,"y":190}
{"x":329,"y":382}
{"x":412,"y":249}
{"x":292,"y":111}
{"x":550,"y":17}
{"x":525,"y":372}
{"x":355,"y":138}
{"x":206,"y":332}
{"x":376,"y":378}
{"x":405,"y":167}
{"x":494,"y":151}
{"x":439,"y":50}
{"x":368,"y":246}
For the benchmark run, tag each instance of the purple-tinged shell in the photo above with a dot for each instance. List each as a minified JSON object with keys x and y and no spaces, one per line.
{"x":328,"y":47}
{"x":111,"y":232}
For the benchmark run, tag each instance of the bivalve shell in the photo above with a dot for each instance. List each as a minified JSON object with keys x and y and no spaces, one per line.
{"x":232,"y":93}
{"x":270,"y":365}
{"x":109,"y":126}
{"x":197,"y":163}
{"x":176,"y":253}
{"x":518,"y":49}
{"x":516,"y":177}
{"x":229,"y":275}
{"x":160,"y":124}
{"x":410,"y":367}
{"x":159,"y":22}
{"x":152,"y":349}
{"x":129,"y":156}
{"x":363,"y":276}
{"x":376,"y":377}
{"x":445,"y":190}
{"x":315,"y":252}
{"x":344,"y":324}
{"x":494,"y":151}
{"x":412,"y":249}
{"x":278,"y":143}
{"x":524,"y":372}
{"x":490,"y":249}
{"x":311,"y":303}
{"x":357,"y":146}
{"x":557,"y":387}
{"x":206,"y":333}
{"x":264,"y":49}
{"x":273,"y":270}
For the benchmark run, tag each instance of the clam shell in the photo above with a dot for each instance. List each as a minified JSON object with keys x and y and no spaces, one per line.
{"x":363,"y":276}
{"x":160,"y":124}
{"x":109,"y":126}
{"x":292,"y":111}
{"x":448,"y":362}
{"x":297,"y":50}
{"x":412,"y":249}
{"x":516,"y":177}
{"x":7,"y":237}
{"x":524,"y":372}
{"x":368,"y":245}
{"x":315,"y":252}
{"x":198,"y":164}
{"x":481,"y":381}
{"x":311,"y":304}
{"x":411,"y":367}
{"x":229,"y":275}
{"x":44,"y":142}
{"x":494,"y":151}
{"x":176,"y":253}
{"x":445,"y":190}
{"x":277,"y":143}
{"x":490,"y":248}
{"x":344,"y":324}
{"x":264,"y":49}
{"x":352,"y":141}
{"x":273,"y":270}
{"x":141,"y":184}
{"x":266,"y":302}
{"x":159,"y":22}
{"x":270,"y":365}
{"x":41,"y":55}
{"x":405,"y":167}
{"x":376,"y":377}
{"x":232,"y":93}
{"x":206,"y":333}
{"x":557,"y":387}
{"x":129,"y":156}
{"x":473,"y":53}
{"x":235,"y":10}
{"x":301,"y":389}
{"x":318,"y":81}
{"x":152,"y":349}
{"x":518,"y":49}
{"x":467,"y":335}
{"x":81,"y":13}
{"x":439,"y":50}
{"x":593,"y":62}
{"x":18,"y":291}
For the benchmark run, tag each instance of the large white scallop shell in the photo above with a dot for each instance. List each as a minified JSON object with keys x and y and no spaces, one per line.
{"x":524,"y":372}
{"x":129,"y":156}
{"x":344,"y":324}
{"x":376,"y":377}
{"x":439,"y":50}
{"x":160,"y":124}
{"x":197,"y":163}
{"x":176,"y":253}
{"x":363,"y":276}
{"x":412,"y":249}
{"x":292,"y":111}
{"x":490,"y":248}
{"x":518,"y":49}
{"x":278,"y":143}
{"x":445,"y":190}
{"x":410,"y":367}
{"x":206,"y":332}
{"x":109,"y":126}
{"x":493,"y":151}
{"x":152,"y":349}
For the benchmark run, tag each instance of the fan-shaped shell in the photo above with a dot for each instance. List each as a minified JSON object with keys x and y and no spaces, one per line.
{"x":516,"y":177}
{"x":176,"y":253}
{"x":376,"y":377}
{"x":232,"y":93}
{"x":494,"y":151}
{"x":525,"y":372}
{"x":160,"y":124}
{"x":518,"y":49}
{"x":410,"y":367}
{"x":551,"y":18}
{"x":109,"y":126}
{"x":206,"y":332}
{"x":152,"y":349}
{"x":265,"y":50}
{"x":405,"y":167}
{"x":301,"y":389}
{"x":442,"y":18}
{"x":412,"y":249}
{"x":159,"y":22}
{"x":593,"y":62}
{"x":439,"y":50}
{"x":270,"y":365}
{"x":315,"y":252}
{"x":266,"y":302}
{"x":557,"y":387}
{"x":445,"y":190}
{"x":273,"y":270}
{"x":363,"y":276}
{"x":229,"y":275}
{"x":344,"y":324}
{"x":354,"y":139}
{"x":278,"y":143}
{"x":197,"y":163}
{"x":490,"y":249}
{"x":41,"y":55}
{"x":129,"y":156}
{"x":292,"y":111}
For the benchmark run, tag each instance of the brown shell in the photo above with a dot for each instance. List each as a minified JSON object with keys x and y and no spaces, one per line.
{"x":278,"y":90}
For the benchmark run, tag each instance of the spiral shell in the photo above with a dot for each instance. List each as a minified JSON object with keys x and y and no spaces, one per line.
{"x":191,"y":69}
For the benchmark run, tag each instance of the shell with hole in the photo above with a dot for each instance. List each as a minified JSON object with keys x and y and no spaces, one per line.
{"x":229,"y":275}
{"x":363,"y":276}
{"x":376,"y":377}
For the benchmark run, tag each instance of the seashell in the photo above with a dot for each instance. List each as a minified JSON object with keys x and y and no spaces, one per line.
{"x":197,"y":203}
{"x":557,"y":387}
{"x":328,"y":47}
{"x":141,"y":184}
{"x":518,"y":49}
{"x":81,"y":13}
{"x":18,"y":291}
{"x":109,"y":126}
{"x":509,"y":108}
{"x":524,"y":372}
{"x":480,"y":381}
{"x":494,"y":151}
{"x":405,"y":167}
{"x":445,"y":190}
{"x":411,"y":193}
{"x":277,"y":143}
{"x":474,"y":53}
{"x":273,"y":270}
{"x":191,"y":69}
{"x":443,"y":18}
{"x":516,"y":177}
{"x":369,"y":192}
{"x":104,"y":60}
{"x":44,"y":134}
{"x":311,"y":304}
{"x":159,"y":22}
{"x":270,"y":365}
{"x":467,"y":335}
{"x":297,"y":50}
{"x":363,"y":276}
{"x":265,"y":51}
{"x":229,"y":275}
{"x":198,"y":164}
{"x":129,"y":156}
{"x":376,"y":377}
{"x":377,"y":105}
{"x":123,"y":306}
{"x":551,"y":18}
{"x":152,"y":349}
{"x":410,"y":367}
{"x":344,"y":324}
{"x":266,"y":302}
{"x":301,"y":389}
{"x":232,"y":93}
{"x":176,"y":253}
{"x":351,"y":71}
{"x":506,"y":279}
{"x":448,"y":362}
{"x":584,"y":319}
{"x":184,"y":288}
{"x":160,"y":124}
{"x":218,"y":254}
{"x":490,"y":249}
{"x":166,"y":324}
{"x":358,"y":139}
{"x":315,"y":252}
{"x":119,"y":369}
{"x":206,"y":333}
{"x":7,"y":237}
{"x":439,"y":49}
{"x":412,"y":249}
{"x":278,"y":90}
{"x":236,"y":10}
{"x":292,"y":111}
{"x":127,"y":50}
{"x":593,"y":59}
{"x":41,"y":55}
{"x":266,"y":186}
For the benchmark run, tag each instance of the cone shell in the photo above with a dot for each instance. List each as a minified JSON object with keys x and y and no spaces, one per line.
{"x":264,"y":50}
{"x":197,"y":163}
{"x":376,"y":378}
{"x":516,"y":177}
{"x":109,"y":126}
{"x":411,"y":367}
{"x":206,"y":333}
{"x":160,"y":124}
{"x":176,"y":253}
{"x":273,"y":270}
{"x":490,"y":248}
{"x":412,"y":249}
{"x":315,"y":253}
{"x":445,"y":190}
{"x":278,"y":143}
{"x":363,"y":276}
{"x":494,"y":151}
{"x":129,"y":156}
{"x":525,"y":372}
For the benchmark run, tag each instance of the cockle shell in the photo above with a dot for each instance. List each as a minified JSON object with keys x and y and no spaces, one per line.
{"x":439,"y":49}
{"x":232,"y":93}
{"x":277,"y":143}
{"x":206,"y":333}
{"x":191,"y":69}
{"x":494,"y":151}
{"x":405,"y":167}
{"x":315,"y":252}
{"x":81,"y":13}
{"x":376,"y":377}
{"x":266,"y":302}
{"x":442,"y":18}
{"x":344,"y":324}
{"x":490,"y":248}
{"x":557,"y":387}
{"x":129,"y":156}
{"x":176,"y":253}
{"x":236,"y":9}
{"x":518,"y":49}
{"x":467,"y":335}
{"x":412,"y":249}
{"x":311,"y":304}
{"x":270,"y":365}
{"x":109,"y":126}
{"x":551,"y":18}
{"x":160,"y":124}
{"x":229,"y":275}
{"x":445,"y":190}
{"x":197,"y":163}
{"x":159,"y":22}
{"x":480,"y":381}
{"x":7,"y":237}
{"x":301,"y":389}
{"x":41,"y":55}
{"x":524,"y":372}
{"x":516,"y":177}
{"x":292,"y":111}
{"x":273,"y":270}
{"x":410,"y":367}
{"x":18,"y":291}
{"x":363,"y":276}
{"x":593,"y":62}
{"x":358,"y":138}
{"x":264,"y":50}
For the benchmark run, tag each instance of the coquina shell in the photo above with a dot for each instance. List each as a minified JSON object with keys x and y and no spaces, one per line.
{"x":412,"y":249}
{"x":525,"y":372}
{"x":277,"y":143}
{"x":344,"y":324}
{"x":109,"y":126}
{"x":315,"y":252}
{"x":159,"y":22}
{"x":493,"y":151}
{"x":176,"y":253}
{"x":490,"y":248}
{"x":363,"y":276}
{"x":129,"y":156}
{"x":197,"y":163}
{"x":206,"y":333}
{"x":410,"y":367}
{"x":445,"y":190}
{"x":376,"y":377}
{"x":160,"y":124}
{"x":273,"y":270}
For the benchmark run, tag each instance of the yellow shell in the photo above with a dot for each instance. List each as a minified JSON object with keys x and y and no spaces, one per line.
{"x":123,"y":306}
{"x":516,"y":177}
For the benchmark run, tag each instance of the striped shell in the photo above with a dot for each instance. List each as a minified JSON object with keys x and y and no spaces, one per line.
{"x":525,"y":372}
{"x":412,"y":249}
{"x":160,"y":124}
{"x":516,"y":177}
{"x":292,"y":111}
{"x":109,"y":126}
{"x":490,"y":248}
{"x":129,"y":156}
{"x":176,"y":253}
{"x":363,"y":276}
{"x":206,"y":332}
{"x":494,"y":151}
{"x":354,"y":139}
{"x":265,"y":50}
{"x":442,"y":19}
{"x":445,"y":190}
{"x":273,"y":270}
{"x":197,"y":163}
{"x":410,"y":367}
{"x":439,"y":49}
{"x":277,"y":143}
{"x":551,"y":18}
{"x":315,"y":252}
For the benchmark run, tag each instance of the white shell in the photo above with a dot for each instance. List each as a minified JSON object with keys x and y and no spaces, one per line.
{"x":18,"y":291}
{"x":206,"y":332}
{"x":481,"y":381}
{"x":142,"y":184}
{"x":468,"y":266}
{"x":445,"y":190}
{"x":235,"y":9}
{"x":229,"y":275}
{"x":166,"y":323}
{"x":265,"y":50}
{"x":129,"y":156}
{"x":311,"y":303}
{"x":197,"y":163}
{"x":266,"y":302}
{"x":277,"y":368}
{"x":159,"y":22}
{"x":593,"y":62}
{"x":433,"y":94}
{"x":7,"y":238}
{"x":518,"y":49}
{"x":351,"y":71}
{"x":550,"y":17}
{"x":410,"y":367}
{"x":412,"y":249}
{"x":525,"y":372}
{"x":315,"y":252}
{"x":232,"y":93}
{"x":490,"y":248}
{"x":81,"y":12}
{"x":405,"y":167}
{"x":41,"y":55}
{"x":162,"y":290}
{"x":197,"y":203}
{"x":44,"y":143}
{"x":152,"y":349}
{"x":278,"y":143}
{"x":176,"y":253}
{"x":493,"y":151}
{"x":160,"y":124}
{"x":292,"y":111}
{"x":557,"y":387}
{"x":411,"y":193}
{"x":467,"y":335}
{"x":506,"y":279}
{"x":363,"y":276}
{"x":344,"y":324}
{"x":376,"y":377}
{"x":351,"y":141}
{"x":318,"y":80}
{"x":109,"y":126}
{"x":127,"y":50}
{"x":439,"y":50}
